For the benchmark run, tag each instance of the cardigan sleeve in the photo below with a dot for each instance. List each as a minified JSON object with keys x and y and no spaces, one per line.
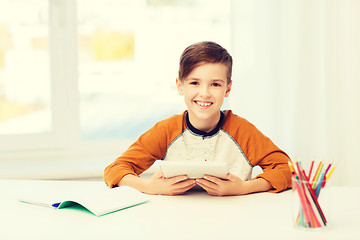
{"x":150,"y":146}
{"x":276,"y":171}
{"x":261,"y":151}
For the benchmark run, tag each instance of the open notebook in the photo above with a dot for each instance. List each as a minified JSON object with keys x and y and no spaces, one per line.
{"x":99,"y":201}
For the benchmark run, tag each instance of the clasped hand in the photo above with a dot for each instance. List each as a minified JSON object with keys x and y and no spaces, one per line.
{"x":233,"y":185}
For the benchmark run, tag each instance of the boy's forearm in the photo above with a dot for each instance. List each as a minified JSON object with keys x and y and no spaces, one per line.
{"x":256,"y":185}
{"x":135,"y":182}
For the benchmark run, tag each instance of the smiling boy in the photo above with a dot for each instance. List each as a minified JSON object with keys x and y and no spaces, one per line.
{"x":203,"y":132}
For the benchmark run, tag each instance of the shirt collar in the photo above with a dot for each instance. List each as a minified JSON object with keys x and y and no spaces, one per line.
{"x":203,"y":133}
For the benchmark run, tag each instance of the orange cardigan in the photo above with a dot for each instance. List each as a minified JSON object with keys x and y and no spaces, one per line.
{"x":236,"y":141}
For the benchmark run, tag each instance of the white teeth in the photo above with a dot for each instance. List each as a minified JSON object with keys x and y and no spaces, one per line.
{"x":204,"y":104}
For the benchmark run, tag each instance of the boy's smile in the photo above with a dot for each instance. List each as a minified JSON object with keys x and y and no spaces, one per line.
{"x":204,"y":90}
{"x":203,"y":104}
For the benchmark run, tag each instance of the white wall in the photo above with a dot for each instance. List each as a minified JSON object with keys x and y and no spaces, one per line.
{"x":297,"y":78}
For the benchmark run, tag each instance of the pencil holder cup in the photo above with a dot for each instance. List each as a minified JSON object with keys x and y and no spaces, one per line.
{"x":311,"y":203}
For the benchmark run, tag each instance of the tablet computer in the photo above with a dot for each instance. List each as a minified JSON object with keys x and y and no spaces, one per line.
{"x":193,"y":169}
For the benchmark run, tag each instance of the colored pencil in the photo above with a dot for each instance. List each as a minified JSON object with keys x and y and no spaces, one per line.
{"x":318,"y":171}
{"x":310,"y":212}
{"x":331,"y":171}
{"x":311,"y":168}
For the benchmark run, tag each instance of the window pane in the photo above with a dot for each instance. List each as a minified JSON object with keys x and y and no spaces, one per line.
{"x":128,"y":59}
{"x":24,"y":67}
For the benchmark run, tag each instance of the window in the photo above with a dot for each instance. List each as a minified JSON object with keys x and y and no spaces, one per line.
{"x":74,"y":73}
{"x":128,"y":60}
{"x":25,"y":106}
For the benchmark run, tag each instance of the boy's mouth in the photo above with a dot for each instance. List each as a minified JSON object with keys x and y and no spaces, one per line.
{"x":203,"y":104}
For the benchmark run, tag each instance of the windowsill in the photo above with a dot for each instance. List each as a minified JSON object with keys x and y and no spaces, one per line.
{"x":79,"y":162}
{"x":58,"y":166}
{"x":54,"y":167}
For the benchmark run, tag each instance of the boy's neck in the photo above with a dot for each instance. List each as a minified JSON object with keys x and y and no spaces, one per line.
{"x":206,"y":125}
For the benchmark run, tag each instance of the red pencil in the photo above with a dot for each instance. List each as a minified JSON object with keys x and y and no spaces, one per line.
{"x":311,"y":168}
{"x":327,"y":169}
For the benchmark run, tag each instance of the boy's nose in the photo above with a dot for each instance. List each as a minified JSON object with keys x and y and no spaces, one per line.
{"x":205,"y":92}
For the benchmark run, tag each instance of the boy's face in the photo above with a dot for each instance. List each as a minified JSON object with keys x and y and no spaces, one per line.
{"x":204,"y":90}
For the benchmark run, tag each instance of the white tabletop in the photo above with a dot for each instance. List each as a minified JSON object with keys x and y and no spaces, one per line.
{"x":194,"y":215}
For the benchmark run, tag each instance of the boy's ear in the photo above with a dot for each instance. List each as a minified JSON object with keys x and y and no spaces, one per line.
{"x":179,"y":86}
{"x":227,"y":93}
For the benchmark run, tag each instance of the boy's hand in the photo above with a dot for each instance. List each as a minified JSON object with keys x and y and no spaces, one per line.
{"x":233,"y":185}
{"x":158,"y":184}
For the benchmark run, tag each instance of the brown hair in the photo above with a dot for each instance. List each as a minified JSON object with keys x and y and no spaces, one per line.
{"x":203,"y":52}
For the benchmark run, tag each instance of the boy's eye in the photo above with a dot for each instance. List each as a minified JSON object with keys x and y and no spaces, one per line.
{"x":194,"y":83}
{"x":216,"y":85}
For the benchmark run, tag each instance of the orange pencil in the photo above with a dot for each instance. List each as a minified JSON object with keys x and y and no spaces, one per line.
{"x":317,"y":173}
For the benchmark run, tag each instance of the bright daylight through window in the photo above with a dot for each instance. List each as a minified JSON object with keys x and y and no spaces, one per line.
{"x":24,"y":68}
{"x":127,"y":51}
{"x":129,"y":59}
